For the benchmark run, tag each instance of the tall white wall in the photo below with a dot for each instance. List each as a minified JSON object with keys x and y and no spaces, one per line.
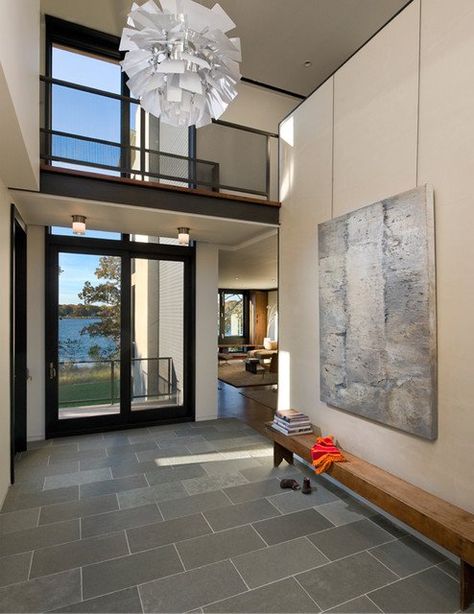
{"x":19,"y":92}
{"x":207,"y":276}
{"x":398,"y":114}
{"x":5,"y":207}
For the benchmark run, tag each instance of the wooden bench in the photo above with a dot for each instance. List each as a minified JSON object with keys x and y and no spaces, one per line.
{"x":447,"y":525}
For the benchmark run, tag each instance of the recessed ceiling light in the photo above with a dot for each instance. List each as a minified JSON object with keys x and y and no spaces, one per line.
{"x":237,"y":278}
{"x":308,"y":64}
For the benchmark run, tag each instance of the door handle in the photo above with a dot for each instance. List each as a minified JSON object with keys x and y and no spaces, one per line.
{"x":52,"y":371}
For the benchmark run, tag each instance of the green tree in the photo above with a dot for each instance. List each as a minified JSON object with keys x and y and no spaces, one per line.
{"x":106,"y":293}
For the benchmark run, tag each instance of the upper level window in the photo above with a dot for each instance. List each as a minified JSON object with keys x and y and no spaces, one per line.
{"x":86,"y":69}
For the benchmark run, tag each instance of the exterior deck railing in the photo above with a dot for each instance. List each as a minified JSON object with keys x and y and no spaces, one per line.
{"x":241,"y":157}
{"x":74,"y":376}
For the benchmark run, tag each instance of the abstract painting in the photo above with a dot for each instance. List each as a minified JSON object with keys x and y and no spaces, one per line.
{"x":377,"y":307}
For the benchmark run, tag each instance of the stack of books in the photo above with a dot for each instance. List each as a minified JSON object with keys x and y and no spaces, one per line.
{"x":291,"y":422}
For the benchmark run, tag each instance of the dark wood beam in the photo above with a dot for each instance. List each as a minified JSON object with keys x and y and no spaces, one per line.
{"x":92,"y":186}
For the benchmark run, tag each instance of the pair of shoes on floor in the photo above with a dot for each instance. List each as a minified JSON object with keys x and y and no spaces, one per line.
{"x":293,"y":484}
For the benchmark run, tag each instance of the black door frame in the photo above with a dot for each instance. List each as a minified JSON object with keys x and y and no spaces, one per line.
{"x":18,"y":339}
{"x":127,"y":250}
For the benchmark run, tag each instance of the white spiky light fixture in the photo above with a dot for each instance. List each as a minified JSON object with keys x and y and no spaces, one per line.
{"x":181,"y":65}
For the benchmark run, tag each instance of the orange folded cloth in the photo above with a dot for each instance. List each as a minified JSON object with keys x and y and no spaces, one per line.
{"x":325,"y":453}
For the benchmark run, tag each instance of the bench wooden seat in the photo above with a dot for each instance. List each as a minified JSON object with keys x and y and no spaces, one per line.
{"x":447,"y":525}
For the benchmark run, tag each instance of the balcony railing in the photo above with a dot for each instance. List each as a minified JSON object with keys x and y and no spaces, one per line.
{"x":222,"y":157}
{"x":86,"y":383}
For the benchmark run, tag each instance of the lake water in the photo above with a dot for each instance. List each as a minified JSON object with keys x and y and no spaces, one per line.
{"x":73,"y":345}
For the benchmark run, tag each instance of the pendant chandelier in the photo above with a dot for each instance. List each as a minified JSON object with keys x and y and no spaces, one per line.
{"x":181,"y":65}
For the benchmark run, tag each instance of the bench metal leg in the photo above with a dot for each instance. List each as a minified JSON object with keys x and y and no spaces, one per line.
{"x":280,"y":453}
{"x":467,"y":584}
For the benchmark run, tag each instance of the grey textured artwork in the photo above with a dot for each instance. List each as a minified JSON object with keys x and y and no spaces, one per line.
{"x":377,"y":303}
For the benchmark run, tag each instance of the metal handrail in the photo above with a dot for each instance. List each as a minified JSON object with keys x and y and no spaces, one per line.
{"x":172,"y":382}
{"x":125,"y":149}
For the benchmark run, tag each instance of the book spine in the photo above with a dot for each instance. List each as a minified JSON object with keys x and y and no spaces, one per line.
{"x":292,"y":427}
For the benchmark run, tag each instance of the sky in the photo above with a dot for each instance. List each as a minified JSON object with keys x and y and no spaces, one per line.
{"x":95,"y":116}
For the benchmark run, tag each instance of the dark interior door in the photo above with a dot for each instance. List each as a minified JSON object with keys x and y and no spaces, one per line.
{"x":18,"y":337}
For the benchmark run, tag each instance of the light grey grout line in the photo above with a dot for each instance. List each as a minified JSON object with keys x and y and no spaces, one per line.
{"x":240,"y":575}
{"x":320,"y":551}
{"x":372,"y":601}
{"x":222,"y":490}
{"x":303,"y":588}
{"x":30,"y":565}
{"x":159,"y":510}
{"x":128,"y":543}
{"x":146,"y":480}
{"x":140,"y":598}
{"x":80,"y":527}
{"x":179,"y":556}
{"x":82,"y":584}
{"x":208,"y":524}
{"x":37,"y":524}
{"x":381,"y":562}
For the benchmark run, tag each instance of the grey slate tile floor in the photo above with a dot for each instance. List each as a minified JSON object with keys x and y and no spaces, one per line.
{"x":191,"y":517}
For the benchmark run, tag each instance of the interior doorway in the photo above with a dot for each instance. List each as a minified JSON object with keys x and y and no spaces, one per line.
{"x":19,"y":372}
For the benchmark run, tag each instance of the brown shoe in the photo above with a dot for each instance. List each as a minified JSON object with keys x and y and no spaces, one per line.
{"x":293,"y":484}
{"x":306,"y":486}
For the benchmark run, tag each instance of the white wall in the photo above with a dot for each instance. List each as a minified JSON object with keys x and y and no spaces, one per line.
{"x":207,"y":274}
{"x":19,"y":92}
{"x":35,"y":337}
{"x":398,"y":114}
{"x":5,"y":203}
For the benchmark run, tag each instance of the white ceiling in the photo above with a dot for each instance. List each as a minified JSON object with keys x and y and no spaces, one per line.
{"x":252,"y":266}
{"x":47,"y":210}
{"x":278,"y":36}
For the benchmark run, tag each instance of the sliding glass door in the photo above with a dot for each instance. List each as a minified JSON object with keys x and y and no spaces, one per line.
{"x":119,"y":334}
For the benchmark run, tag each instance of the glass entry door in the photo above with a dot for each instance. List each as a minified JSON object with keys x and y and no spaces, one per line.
{"x":119,"y":335}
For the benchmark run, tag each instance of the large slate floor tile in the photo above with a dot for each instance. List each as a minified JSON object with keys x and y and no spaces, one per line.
{"x":131,"y":448}
{"x":78,"y":509}
{"x":79,"y":477}
{"x":70,"y":456}
{"x":208,"y":483}
{"x":407,"y":556}
{"x":293,"y":501}
{"x":108,"y":487}
{"x":167,"y":532}
{"x":230,"y":466}
{"x":344,"y":511}
{"x":359,"y":605}
{"x":239,"y":514}
{"x":14,"y":568}
{"x":257,"y":473}
{"x":428,"y":591}
{"x":192,"y":589}
{"x":173,"y":474}
{"x":130,"y":570}
{"x":39,"y":537}
{"x":284,"y":596}
{"x":121,"y":519}
{"x":42,"y":594}
{"x":108,"y":461}
{"x":186,"y":506}
{"x":343,"y":580}
{"x":18,"y":501}
{"x":76,"y":554}
{"x":25,"y":473}
{"x":18,"y":521}
{"x":219,"y":546}
{"x":253,"y":490}
{"x":121,"y":602}
{"x":279,"y":561}
{"x":350,"y":538}
{"x":290,"y":526}
{"x":151,"y":494}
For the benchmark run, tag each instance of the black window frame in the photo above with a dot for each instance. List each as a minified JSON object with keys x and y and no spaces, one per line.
{"x":127,"y":249}
{"x":234,"y":340}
